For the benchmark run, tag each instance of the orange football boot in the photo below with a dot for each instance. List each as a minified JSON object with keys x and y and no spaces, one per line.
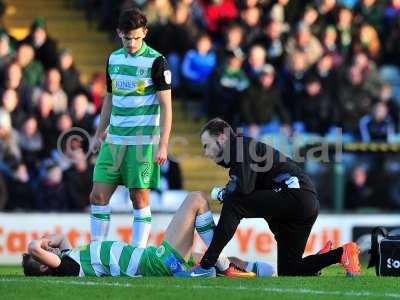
{"x":235,"y":271}
{"x":350,"y":260}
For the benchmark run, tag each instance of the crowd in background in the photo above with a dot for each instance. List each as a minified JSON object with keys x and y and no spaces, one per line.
{"x":268,"y":66}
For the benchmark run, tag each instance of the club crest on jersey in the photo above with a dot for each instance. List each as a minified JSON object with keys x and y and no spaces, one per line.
{"x":141,"y":72}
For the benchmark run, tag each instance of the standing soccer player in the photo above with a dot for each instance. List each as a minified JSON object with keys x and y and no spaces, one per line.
{"x":138,"y":114}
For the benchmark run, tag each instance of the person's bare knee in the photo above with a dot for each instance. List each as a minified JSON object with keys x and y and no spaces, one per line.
{"x":101,"y":193}
{"x":98,"y":198}
{"x":139,"y":198}
{"x":198,"y":202}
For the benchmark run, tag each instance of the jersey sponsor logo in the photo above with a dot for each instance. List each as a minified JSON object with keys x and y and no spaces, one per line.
{"x":167,"y":76}
{"x":130,"y":85}
{"x":160,"y":251}
{"x":124,"y":84}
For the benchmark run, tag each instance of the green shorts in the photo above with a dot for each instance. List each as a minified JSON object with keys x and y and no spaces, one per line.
{"x":128,"y":165}
{"x":162,"y":261}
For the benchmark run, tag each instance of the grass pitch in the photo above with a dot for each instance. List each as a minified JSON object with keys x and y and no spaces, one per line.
{"x":331,"y":285}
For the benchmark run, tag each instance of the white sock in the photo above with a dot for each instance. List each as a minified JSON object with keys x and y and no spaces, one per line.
{"x":141,"y":226}
{"x":205,"y":225}
{"x":262,"y":269}
{"x":99,"y":222}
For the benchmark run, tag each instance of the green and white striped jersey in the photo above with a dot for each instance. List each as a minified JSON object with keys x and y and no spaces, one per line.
{"x":113,"y":258}
{"x":107,"y":258}
{"x":133,"y":80}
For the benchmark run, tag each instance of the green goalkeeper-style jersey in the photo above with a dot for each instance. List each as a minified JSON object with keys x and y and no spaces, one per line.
{"x":112,"y":258}
{"x":133,"y":80}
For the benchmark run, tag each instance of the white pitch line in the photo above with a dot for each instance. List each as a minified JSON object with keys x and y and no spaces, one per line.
{"x":236,"y":288}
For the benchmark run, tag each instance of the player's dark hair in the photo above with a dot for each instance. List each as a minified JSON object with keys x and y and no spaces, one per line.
{"x":32,"y":267}
{"x":217,"y":126}
{"x":131,"y":19}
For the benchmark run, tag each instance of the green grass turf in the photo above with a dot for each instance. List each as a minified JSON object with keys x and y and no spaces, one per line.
{"x":331,"y":285}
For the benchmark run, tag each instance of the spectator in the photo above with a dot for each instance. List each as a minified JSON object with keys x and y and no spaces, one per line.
{"x":261,"y":102}
{"x":369,"y":11}
{"x":180,"y":29}
{"x":367,"y":40}
{"x":80,"y":113}
{"x":310,"y":18}
{"x":31,"y":144}
{"x":354,"y":101}
{"x":226,"y":86}
{"x":218,"y":14}
{"x":196,"y":13}
{"x":393,"y":108}
{"x":305,"y":43}
{"x":157,"y":12}
{"x":327,"y":75}
{"x":345,"y":30}
{"x":255,"y":62}
{"x":70,"y":81}
{"x":64,"y":122}
{"x":97,"y":90}
{"x":250,"y":21}
{"x":197,"y":66}
{"x":32,"y":70}
{"x":52,"y":86}
{"x":78,"y":182}
{"x":378,"y":126}
{"x":273,"y":41}
{"x":292,"y":84}
{"x":329,"y":46}
{"x":13,"y":80}
{"x":327,"y":14}
{"x":233,"y":41}
{"x":391,"y":15}
{"x":391,"y":46}
{"x":21,"y":194}
{"x":359,"y":193}
{"x":45,"y":47}
{"x":46,"y":120}
{"x":10,"y":103}
{"x":287,"y":11}
{"x":313,"y":99}
{"x":52,"y":195}
{"x":369,"y":71}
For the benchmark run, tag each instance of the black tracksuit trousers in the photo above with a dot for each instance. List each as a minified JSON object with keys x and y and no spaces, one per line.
{"x":290,"y":214}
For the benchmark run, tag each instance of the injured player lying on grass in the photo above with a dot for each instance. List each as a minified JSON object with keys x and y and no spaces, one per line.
{"x":53,"y":256}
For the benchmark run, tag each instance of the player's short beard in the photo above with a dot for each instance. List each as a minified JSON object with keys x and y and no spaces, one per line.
{"x":220,"y":159}
{"x":220,"y":150}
